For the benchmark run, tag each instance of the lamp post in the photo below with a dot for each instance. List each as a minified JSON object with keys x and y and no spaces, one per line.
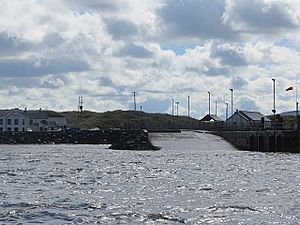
{"x":297,"y":106}
{"x":134,"y":101}
{"x":172,"y":107}
{"x":208,"y":103}
{"x":189,"y":106}
{"x":274,"y":108}
{"x":177,"y":103}
{"x":226,"y":110}
{"x":231,"y":90}
{"x":274,"y":114}
{"x":296,"y":103}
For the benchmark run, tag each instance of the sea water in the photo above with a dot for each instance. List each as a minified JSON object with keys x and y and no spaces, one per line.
{"x":196,"y":178}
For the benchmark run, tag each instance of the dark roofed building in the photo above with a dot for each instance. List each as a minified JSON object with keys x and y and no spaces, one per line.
{"x":211,"y":122}
{"x":248,"y":120}
{"x":211,"y":118}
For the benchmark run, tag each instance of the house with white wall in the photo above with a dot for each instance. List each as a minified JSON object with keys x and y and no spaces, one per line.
{"x":244,"y":120}
{"x":16,"y":120}
{"x":13,"y":120}
{"x":56,"y":121}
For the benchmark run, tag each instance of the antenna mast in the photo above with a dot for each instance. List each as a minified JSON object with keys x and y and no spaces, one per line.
{"x":80,"y":108}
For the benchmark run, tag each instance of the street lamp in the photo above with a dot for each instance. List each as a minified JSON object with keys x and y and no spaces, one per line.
{"x":274,"y":109}
{"x":172,"y":107}
{"x":226,"y":110}
{"x":231,"y":90}
{"x":177,"y":103}
{"x":208,"y":103}
{"x":189,"y":106}
{"x":134,"y":101}
{"x":297,"y":105}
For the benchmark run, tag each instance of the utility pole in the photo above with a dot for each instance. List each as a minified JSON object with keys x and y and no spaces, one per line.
{"x":134,"y":102}
{"x":274,"y":112}
{"x":189,"y":107}
{"x":208,"y":103}
{"x":80,"y":109}
{"x":231,"y":90}
{"x":297,"y":106}
{"x":226,"y":110}
{"x":274,"y":92}
{"x":172,"y":107}
{"x":177,"y":103}
{"x":216,"y":108}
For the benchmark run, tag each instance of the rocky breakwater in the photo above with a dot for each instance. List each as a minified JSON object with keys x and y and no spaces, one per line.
{"x":133,"y":140}
{"x":119,"y":139}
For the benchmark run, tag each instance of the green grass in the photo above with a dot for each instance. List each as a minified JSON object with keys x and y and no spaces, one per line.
{"x":129,"y":120}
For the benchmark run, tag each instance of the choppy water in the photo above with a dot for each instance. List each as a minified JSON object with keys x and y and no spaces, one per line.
{"x":195,"y":179}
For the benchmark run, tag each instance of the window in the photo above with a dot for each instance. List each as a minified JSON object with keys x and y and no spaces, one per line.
{"x":23,"y":122}
{"x":16,"y":129}
{"x":30,"y":122}
{"x":9,"y":129}
{"x":8,"y":121}
{"x":1,"y":121}
{"x":16,"y":121}
{"x":1,"y":128}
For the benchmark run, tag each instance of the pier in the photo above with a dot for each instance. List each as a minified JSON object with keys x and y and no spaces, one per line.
{"x":263,"y":140}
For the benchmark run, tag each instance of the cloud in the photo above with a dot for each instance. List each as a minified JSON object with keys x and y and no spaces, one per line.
{"x":40,"y":67}
{"x":103,"y":5}
{"x":53,"y":83}
{"x":121,"y":29}
{"x":10,"y":45}
{"x":229,"y":55}
{"x":238,"y":82}
{"x":197,"y":19}
{"x":247,"y":103}
{"x":260,"y":16}
{"x":104,"y":50}
{"x":134,"y":51}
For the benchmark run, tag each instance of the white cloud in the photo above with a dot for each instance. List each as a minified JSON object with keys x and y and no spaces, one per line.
{"x":53,"y":51}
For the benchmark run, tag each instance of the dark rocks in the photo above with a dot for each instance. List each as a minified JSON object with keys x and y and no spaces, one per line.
{"x":134,"y":140}
{"x":119,"y":139}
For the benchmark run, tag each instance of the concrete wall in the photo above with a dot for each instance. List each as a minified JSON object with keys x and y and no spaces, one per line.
{"x":264,"y":141}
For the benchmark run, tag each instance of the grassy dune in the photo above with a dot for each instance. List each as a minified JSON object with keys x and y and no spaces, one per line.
{"x":128,"y":119}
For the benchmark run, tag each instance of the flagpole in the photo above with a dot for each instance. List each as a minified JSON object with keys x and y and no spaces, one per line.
{"x":296,"y":104}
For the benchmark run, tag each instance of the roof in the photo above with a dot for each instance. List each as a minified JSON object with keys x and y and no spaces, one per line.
{"x":252,"y":115}
{"x":32,"y":114}
{"x":255,"y":116}
{"x":6,"y":112}
{"x":211,"y":117}
{"x":36,"y":114}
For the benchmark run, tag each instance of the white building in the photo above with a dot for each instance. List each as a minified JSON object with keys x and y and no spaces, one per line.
{"x":242,"y":120}
{"x":16,"y":120}
{"x":56,"y":121}
{"x":13,"y":120}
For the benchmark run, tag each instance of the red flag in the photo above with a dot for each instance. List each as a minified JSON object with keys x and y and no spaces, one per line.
{"x":289,"y":88}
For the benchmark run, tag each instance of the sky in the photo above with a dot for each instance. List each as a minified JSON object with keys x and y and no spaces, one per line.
{"x":53,"y":51}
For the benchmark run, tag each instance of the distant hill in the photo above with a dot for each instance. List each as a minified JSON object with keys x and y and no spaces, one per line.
{"x":289,"y":113}
{"x":129,"y":120}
